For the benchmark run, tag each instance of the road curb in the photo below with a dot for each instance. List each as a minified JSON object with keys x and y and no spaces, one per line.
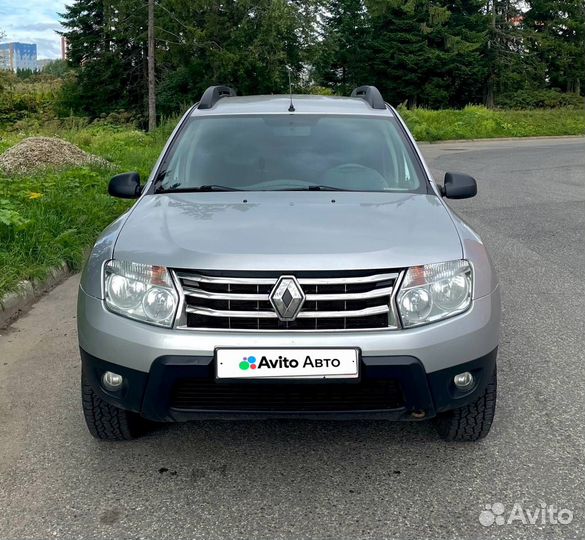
{"x":504,"y":139}
{"x":15,"y":303}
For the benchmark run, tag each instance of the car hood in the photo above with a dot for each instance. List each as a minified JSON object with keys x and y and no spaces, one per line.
{"x":288,"y":231}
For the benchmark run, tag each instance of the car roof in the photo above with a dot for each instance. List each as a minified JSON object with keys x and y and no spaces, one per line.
{"x":279,"y":104}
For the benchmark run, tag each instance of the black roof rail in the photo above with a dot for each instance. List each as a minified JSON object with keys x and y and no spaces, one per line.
{"x":370,"y":94}
{"x":213,"y":94}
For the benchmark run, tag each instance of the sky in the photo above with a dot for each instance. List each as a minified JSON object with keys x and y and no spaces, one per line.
{"x":33,"y":21}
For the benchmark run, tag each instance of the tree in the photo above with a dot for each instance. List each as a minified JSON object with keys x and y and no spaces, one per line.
{"x":504,"y":54}
{"x":434,"y":53}
{"x":3,"y":74}
{"x":247,"y":44}
{"x":556,"y":37}
{"x":151,"y":72}
{"x":107,"y":46}
{"x":423,"y":52}
{"x":347,"y":32}
{"x":57,"y":68}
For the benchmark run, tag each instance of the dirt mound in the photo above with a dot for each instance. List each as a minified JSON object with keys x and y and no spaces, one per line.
{"x":37,"y":153}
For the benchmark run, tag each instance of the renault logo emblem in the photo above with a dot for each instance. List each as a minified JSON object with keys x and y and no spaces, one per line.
{"x":287,"y":298}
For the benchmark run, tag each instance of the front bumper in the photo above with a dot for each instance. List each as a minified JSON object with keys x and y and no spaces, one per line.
{"x":421,"y":395}
{"x":437,"y":346}
{"x":417,"y":364}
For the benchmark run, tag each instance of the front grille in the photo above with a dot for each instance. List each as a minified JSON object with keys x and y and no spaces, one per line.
{"x":346,"y":301}
{"x":208,"y":395}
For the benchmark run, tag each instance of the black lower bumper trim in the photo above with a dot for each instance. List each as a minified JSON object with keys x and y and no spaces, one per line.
{"x":444,"y":393}
{"x":364,"y":395}
{"x":130,"y":396}
{"x":180,"y":388}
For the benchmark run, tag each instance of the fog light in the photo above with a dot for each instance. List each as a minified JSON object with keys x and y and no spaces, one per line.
{"x":464,"y":380}
{"x":112,"y":381}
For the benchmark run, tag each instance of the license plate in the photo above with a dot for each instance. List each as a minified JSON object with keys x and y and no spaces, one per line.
{"x":287,"y":363}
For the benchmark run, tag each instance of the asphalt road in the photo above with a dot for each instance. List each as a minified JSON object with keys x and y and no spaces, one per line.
{"x":291,"y":479}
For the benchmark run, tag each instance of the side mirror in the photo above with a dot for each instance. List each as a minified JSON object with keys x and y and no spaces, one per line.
{"x":125,"y":186}
{"x":459,"y":186}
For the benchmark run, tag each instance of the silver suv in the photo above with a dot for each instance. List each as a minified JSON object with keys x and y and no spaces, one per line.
{"x":289,"y":256}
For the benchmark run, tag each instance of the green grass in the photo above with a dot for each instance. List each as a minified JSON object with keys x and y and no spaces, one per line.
{"x":54,"y":217}
{"x":475,"y":122}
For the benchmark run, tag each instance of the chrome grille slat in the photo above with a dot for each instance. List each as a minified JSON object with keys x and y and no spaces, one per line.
{"x":366,"y":312}
{"x":375,"y":293}
{"x":346,"y":301}
{"x":228,"y":313}
{"x":200,"y":278}
{"x":271,"y":281}
{"x":302,"y":315}
{"x":348,"y":280}
{"x":199,"y":293}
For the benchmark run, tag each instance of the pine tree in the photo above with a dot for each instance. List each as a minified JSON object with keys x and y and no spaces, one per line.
{"x":247,"y":44}
{"x":427,"y":53}
{"x":107,"y":45}
{"x":342,"y":62}
{"x":556,"y":36}
{"x":434,"y":53}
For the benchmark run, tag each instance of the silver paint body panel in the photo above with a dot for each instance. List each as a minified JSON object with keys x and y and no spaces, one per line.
{"x":288,"y":232}
{"x":440,"y":345}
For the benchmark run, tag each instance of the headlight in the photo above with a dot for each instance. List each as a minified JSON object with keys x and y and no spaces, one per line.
{"x":435,"y":291}
{"x":140,"y":291}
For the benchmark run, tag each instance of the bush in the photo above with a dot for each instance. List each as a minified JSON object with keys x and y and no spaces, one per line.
{"x":540,"y":99}
{"x":31,"y":98}
{"x":478,"y":122}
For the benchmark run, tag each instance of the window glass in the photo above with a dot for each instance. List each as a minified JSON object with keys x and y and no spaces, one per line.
{"x":281,"y":152}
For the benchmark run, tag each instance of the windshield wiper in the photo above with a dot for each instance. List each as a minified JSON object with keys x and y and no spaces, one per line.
{"x":208,"y":187}
{"x":176,"y":188}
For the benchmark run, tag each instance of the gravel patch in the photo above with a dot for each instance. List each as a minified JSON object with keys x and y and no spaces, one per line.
{"x":38,"y":153}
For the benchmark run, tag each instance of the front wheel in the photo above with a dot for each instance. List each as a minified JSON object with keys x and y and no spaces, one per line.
{"x":473,"y":421}
{"x":106,"y":422}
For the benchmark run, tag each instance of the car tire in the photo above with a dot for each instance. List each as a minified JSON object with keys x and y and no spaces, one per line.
{"x":472,"y":422}
{"x":107,"y":422}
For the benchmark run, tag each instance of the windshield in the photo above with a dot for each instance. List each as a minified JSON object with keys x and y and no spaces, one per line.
{"x":291,"y":152}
